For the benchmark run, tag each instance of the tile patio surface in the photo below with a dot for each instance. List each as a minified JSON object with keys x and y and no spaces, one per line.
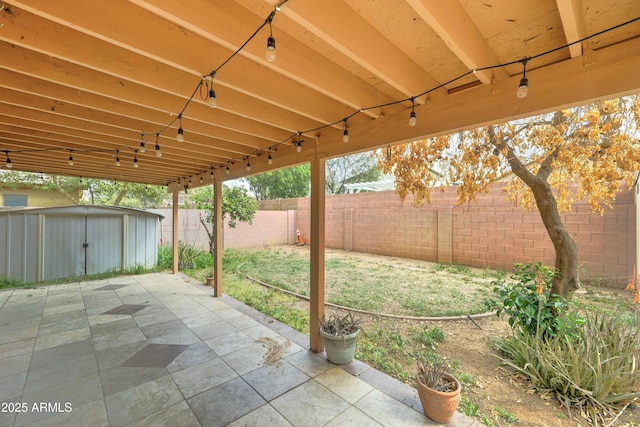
{"x":158,"y":349}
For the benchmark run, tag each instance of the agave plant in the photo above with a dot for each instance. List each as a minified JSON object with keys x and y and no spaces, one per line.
{"x":433,"y":374}
{"x":339,"y":325}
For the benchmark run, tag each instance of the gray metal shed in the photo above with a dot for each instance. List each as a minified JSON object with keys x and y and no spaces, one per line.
{"x":38,"y":244}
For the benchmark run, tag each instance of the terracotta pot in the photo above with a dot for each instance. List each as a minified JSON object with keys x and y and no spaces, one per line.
{"x":437,"y":405}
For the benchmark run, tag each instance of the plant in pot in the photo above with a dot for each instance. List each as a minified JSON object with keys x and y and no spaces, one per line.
{"x":340,"y":334}
{"x":209,"y":276}
{"x":438,"y":390}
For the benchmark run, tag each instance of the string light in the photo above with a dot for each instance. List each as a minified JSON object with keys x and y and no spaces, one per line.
{"x":70,"y":157}
{"x":248,"y":165}
{"x":213,"y":102}
{"x":201,"y":178}
{"x":523,"y":87}
{"x":158,"y":152}
{"x":142,"y":144}
{"x":180,"y":136}
{"x":271,"y":41}
{"x":41,"y":177}
{"x":211,"y":174}
{"x":135,"y":160}
{"x":412,"y":116}
{"x":345,"y":133}
{"x":299,"y":143}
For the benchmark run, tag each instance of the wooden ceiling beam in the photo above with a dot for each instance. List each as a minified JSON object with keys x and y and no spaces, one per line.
{"x":562,"y":85}
{"x":233,"y":24}
{"x":452,"y":24}
{"x":172,"y":60}
{"x":572,"y":17}
{"x":344,"y":29}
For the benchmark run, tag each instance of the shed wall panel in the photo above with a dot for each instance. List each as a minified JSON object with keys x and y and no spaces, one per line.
{"x":4,"y":244}
{"x":17,"y":247}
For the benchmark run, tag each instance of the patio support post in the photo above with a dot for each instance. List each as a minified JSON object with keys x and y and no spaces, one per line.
{"x":174,"y":228}
{"x":217,"y":235}
{"x":316,"y":293}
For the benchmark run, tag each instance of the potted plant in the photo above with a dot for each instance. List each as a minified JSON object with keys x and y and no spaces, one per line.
{"x":438,"y":390}
{"x":340,"y":334}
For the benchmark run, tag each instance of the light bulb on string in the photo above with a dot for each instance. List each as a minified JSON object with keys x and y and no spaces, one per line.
{"x":227,"y":171}
{"x":271,"y":42}
{"x":158,"y":152}
{"x":180,"y":136}
{"x":299,"y":143}
{"x":270,"y":159}
{"x":201,"y":180}
{"x":412,"y":116}
{"x":248,"y":165}
{"x":213,"y":102}
{"x":9,"y":164}
{"x":70,"y":158}
{"x":142,"y":148}
{"x":523,"y":87}
{"x":345,"y":132}
{"x":211,"y":174}
{"x":135,"y":160}
{"x":117,"y":159}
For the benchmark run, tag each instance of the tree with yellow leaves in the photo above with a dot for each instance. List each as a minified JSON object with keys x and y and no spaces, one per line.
{"x":557,"y":158}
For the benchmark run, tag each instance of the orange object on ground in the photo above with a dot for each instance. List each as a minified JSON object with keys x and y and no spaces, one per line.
{"x":300,"y":241}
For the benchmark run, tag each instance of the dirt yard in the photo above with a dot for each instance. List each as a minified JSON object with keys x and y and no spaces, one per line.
{"x":506,"y":399}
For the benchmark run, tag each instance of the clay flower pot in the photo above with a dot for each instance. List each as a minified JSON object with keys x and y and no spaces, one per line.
{"x":437,"y":405}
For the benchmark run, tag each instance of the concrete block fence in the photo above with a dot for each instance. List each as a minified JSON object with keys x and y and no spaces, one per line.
{"x":488,"y":233}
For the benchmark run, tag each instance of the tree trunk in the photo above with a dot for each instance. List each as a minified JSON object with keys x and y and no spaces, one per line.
{"x":566,"y":278}
{"x":121,"y":195}
{"x":210,"y":235}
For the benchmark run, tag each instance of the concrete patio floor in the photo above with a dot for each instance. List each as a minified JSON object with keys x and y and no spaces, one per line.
{"x":158,"y":349}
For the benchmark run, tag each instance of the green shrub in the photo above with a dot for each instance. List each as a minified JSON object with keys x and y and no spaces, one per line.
{"x":597,"y":369}
{"x":535,"y":313}
{"x":165,"y":257}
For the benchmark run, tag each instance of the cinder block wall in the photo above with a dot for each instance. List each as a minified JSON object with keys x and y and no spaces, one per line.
{"x":488,"y":233}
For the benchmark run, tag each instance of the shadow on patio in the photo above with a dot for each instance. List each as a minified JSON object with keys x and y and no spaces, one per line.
{"x":157,"y":349}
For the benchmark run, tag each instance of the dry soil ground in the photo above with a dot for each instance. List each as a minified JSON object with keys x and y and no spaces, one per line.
{"x":502,"y":396}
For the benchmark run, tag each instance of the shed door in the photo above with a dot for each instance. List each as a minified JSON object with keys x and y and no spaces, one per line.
{"x":80,"y":245}
{"x":104,"y":240}
{"x":63,"y":247}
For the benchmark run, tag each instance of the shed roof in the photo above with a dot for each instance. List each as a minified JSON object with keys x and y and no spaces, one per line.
{"x":82,"y":210}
